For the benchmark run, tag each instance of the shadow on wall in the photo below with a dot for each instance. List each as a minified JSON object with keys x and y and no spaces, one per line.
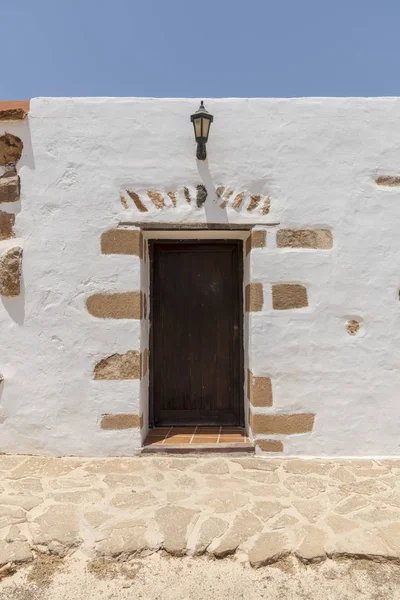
{"x":2,"y":417}
{"x":214,"y":213}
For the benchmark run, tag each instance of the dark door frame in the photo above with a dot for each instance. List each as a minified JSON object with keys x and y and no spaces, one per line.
{"x":239,"y":243}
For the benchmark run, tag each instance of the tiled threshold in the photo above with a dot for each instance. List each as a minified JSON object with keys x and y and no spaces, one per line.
{"x":200,"y":439}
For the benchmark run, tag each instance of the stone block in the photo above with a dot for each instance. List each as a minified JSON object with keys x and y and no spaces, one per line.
{"x":137,"y":201}
{"x":281,"y":424}
{"x":173,"y":522}
{"x":121,"y":241}
{"x":287,"y":296}
{"x":126,"y":305}
{"x":254,"y":297}
{"x":7,"y":221}
{"x":14,"y":552}
{"x":57,"y":528}
{"x":156,"y":198}
{"x":121,"y":421}
{"x":254,"y":202}
{"x":13,"y":110}
{"x":210,"y":530}
{"x":10,"y":149}
{"x":257,"y":239}
{"x":304,"y":238}
{"x":144,"y":362}
{"x":269,"y":445}
{"x":388,"y":180}
{"x":12,"y":114}
{"x":312,"y":547}
{"x":143,"y":305}
{"x":9,"y":188}
{"x":119,"y":366}
{"x":259,"y":390}
{"x":267,"y":549}
{"x":10,"y":272}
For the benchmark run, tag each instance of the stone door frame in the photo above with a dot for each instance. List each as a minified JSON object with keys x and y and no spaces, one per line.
{"x":189,"y":234}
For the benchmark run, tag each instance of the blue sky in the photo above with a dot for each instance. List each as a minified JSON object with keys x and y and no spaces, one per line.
{"x":208,"y":48}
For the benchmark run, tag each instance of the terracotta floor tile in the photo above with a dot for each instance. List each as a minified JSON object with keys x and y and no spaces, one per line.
{"x":183,"y":430}
{"x":204,"y":440}
{"x":177,"y":440}
{"x":224,"y":439}
{"x":153,"y":440}
{"x":159,"y":431}
{"x":208,"y":430}
{"x":232,"y":430}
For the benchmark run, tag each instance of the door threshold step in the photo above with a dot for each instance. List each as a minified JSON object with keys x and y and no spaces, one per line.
{"x":229,"y":448}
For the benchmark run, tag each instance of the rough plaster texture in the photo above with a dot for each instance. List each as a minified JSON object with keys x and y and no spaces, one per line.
{"x":317,"y":168}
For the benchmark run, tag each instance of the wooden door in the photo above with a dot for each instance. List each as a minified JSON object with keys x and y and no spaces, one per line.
{"x":196,"y":353}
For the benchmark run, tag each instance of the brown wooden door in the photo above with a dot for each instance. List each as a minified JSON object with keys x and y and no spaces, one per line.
{"x":196,"y":370}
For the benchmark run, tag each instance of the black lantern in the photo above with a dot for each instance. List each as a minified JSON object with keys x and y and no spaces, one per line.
{"x":201,"y":120}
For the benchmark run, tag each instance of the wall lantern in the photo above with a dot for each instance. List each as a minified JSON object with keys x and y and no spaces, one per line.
{"x":201,"y":120}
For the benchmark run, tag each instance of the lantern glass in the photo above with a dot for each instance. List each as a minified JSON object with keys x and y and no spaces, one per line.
{"x":197,"y":127}
{"x":206,"y":127}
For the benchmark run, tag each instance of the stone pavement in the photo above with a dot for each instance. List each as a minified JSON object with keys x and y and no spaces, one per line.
{"x":257,"y":508}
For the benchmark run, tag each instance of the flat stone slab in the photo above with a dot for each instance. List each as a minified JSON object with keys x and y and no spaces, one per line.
{"x":262,"y":509}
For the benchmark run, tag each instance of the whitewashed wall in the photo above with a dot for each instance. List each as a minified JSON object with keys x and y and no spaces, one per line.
{"x":317,"y":159}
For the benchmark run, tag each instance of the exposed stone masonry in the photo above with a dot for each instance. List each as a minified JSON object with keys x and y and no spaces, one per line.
{"x":352,"y":326}
{"x":259,"y":390}
{"x":126,"y":305}
{"x":121,"y":241}
{"x":254,"y":297}
{"x":14,"y":110}
{"x":7,"y":221}
{"x":9,"y":187}
{"x":10,"y":149}
{"x":121,"y":421}
{"x":144,"y":362}
{"x":269,"y":445}
{"x":287,"y":296}
{"x":304,"y":238}
{"x":277,"y":424}
{"x":228,"y":197}
{"x":388,"y":180}
{"x":257,"y":239}
{"x":10,"y":272}
{"x":119,"y":366}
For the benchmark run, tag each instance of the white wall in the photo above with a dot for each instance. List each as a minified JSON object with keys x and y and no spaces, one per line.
{"x":317,"y":159}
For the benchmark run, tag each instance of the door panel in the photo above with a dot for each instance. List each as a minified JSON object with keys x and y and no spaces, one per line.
{"x":196,"y":332}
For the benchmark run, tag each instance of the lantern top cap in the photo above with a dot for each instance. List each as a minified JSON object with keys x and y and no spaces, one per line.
{"x":202,"y":112}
